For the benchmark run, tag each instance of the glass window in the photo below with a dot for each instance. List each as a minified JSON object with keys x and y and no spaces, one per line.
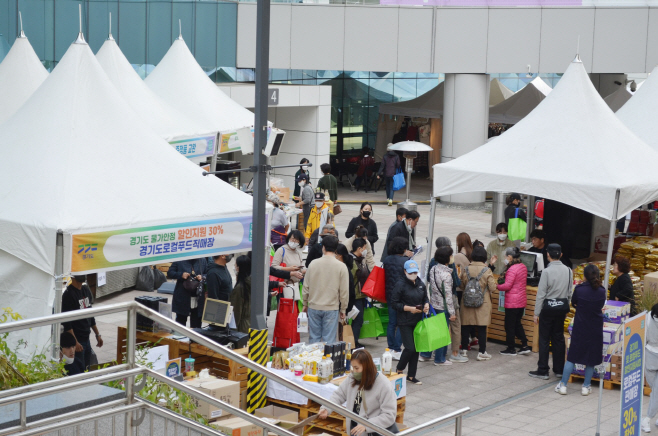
{"x":159,"y":38}
{"x":132,"y":30}
{"x":227,"y":33}
{"x":205,"y":29}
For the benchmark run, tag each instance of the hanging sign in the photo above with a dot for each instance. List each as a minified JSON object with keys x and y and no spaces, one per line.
{"x":632,"y":372}
{"x":166,"y":243}
{"x":195,"y":147}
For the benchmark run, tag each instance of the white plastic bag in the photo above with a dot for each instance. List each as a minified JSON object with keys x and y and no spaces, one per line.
{"x":302,"y":323}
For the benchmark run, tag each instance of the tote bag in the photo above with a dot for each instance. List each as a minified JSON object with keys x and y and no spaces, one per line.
{"x":372,"y":323}
{"x":431,"y":333}
{"x":517,"y":227}
{"x":398,"y":180}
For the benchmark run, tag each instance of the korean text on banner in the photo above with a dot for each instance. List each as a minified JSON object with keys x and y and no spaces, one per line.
{"x":632,"y":375}
{"x":195,"y":147}
{"x":166,"y":243}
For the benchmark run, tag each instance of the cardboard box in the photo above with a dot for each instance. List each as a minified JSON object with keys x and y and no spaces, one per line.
{"x":651,"y":282}
{"x":225,"y":390}
{"x":278,"y":413}
{"x":238,"y":427}
{"x":616,"y":311}
{"x":284,"y":195}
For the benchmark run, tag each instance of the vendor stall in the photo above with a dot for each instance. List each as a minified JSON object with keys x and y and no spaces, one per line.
{"x":496,"y":329}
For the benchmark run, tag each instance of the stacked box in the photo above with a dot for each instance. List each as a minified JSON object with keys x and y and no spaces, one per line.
{"x":153,"y":303}
{"x":580,"y":370}
{"x":615,"y":368}
{"x":616,"y":312}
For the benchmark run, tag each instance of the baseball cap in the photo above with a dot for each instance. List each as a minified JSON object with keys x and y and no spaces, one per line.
{"x":411,"y":266}
{"x":319,"y":196}
{"x":301,"y":177}
{"x":515,"y":196}
{"x":554,"y":250}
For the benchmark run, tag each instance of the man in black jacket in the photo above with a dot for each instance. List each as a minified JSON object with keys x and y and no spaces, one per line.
{"x":510,"y":210}
{"x":315,"y":252}
{"x":394,"y":268}
{"x":405,"y":229}
{"x":77,"y":297}
{"x":219,"y":283}
{"x":400,"y":215}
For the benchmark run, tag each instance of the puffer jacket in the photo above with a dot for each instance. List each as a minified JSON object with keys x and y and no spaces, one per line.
{"x":408,"y":293}
{"x":514,"y":286}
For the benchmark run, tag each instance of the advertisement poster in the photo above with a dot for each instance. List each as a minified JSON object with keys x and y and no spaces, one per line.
{"x":632,"y":375}
{"x":172,"y":367}
{"x":195,"y":147}
{"x":166,"y":243}
{"x":229,"y":142}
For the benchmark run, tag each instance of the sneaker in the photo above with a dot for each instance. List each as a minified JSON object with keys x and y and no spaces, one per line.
{"x":524,"y":350}
{"x":561,"y":389}
{"x":537,"y":374}
{"x":458,"y":359}
{"x":646,"y":424}
{"x":396,"y":355}
{"x":463,"y":353}
{"x":558,"y":375}
{"x":424,"y":359}
{"x":586,"y":390}
{"x":414,"y":380}
{"x":484,"y":356}
{"x":390,"y":202}
{"x":508,"y":352}
{"x":445,"y":363}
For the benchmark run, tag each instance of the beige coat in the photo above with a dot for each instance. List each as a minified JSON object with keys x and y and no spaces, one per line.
{"x":370,"y":260}
{"x":291,"y":258}
{"x":478,"y":315}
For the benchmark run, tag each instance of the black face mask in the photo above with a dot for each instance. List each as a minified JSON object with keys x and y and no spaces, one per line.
{"x":366,"y":213}
{"x":229,"y":257}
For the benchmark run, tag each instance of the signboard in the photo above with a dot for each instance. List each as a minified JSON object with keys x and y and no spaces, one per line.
{"x":195,"y":147}
{"x":273,"y":96}
{"x":632,"y":375}
{"x":157,"y":244}
{"x":172,"y":367}
{"x":230,"y":142}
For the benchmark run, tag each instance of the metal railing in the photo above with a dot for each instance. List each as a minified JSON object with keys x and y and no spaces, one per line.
{"x":130,"y":370}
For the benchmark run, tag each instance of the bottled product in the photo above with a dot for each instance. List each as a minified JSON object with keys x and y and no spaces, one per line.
{"x":331,"y":368}
{"x":299,"y":372}
{"x":348,"y":357}
{"x":387,"y":362}
{"x":325,"y":371}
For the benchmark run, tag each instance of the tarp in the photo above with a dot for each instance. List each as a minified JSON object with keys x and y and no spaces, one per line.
{"x":571,"y":148}
{"x":640,"y":113}
{"x":430,"y":104}
{"x":21,"y":73}
{"x":618,"y":98}
{"x":515,"y":108}
{"x":181,"y":82}
{"x":107,"y":181}
{"x":167,"y":121}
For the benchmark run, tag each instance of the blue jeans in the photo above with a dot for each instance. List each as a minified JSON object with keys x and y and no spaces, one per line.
{"x":82,"y":358}
{"x":322,"y":325}
{"x":393,"y":333}
{"x":440,"y":353}
{"x":568,"y":369}
{"x":389,"y":188}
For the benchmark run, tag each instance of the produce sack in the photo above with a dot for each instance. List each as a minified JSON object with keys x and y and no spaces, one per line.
{"x":431,"y":333}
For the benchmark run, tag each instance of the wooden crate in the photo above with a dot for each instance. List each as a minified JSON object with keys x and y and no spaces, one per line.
{"x":496,"y":329}
{"x":607,"y":384}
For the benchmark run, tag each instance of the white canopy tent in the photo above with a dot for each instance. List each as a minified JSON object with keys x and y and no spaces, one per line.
{"x":96,"y":180}
{"x":21,"y":73}
{"x":168,"y":122}
{"x":518,"y":106}
{"x":569,"y":149}
{"x":640,"y":113}
{"x":617,"y":99}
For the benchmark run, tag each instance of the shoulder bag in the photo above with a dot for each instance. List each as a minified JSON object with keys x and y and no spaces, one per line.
{"x":557,"y":306}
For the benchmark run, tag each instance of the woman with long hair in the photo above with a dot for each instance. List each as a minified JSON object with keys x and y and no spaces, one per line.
{"x":365,"y":220}
{"x":514,"y":286}
{"x":464,"y":250}
{"x":369,"y":395}
{"x":587,"y":336}
{"x":240,"y":298}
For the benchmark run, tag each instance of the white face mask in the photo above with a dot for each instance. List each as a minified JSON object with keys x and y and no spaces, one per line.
{"x":502,"y":236}
{"x":305,"y":167}
{"x":68,"y":360}
{"x":293,"y":244}
{"x":364,"y":252}
{"x":411,"y":276}
{"x":319,"y":204}
{"x":301,"y":184}
{"x":506,"y":261}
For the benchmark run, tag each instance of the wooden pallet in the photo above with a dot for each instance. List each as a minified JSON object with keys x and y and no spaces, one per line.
{"x":607,"y":384}
{"x":496,"y":329}
{"x":334,"y":423}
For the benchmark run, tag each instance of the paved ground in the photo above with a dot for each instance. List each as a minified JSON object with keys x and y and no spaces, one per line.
{"x":503,"y":399}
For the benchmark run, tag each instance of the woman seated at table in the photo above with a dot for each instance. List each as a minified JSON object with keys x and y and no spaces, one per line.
{"x":368,"y":393}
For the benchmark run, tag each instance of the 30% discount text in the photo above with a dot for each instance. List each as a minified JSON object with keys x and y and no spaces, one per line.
{"x":630,"y":418}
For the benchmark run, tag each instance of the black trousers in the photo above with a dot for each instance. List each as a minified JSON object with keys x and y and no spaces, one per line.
{"x":551,"y":331}
{"x":195,"y":319}
{"x":409,"y":354}
{"x":482,"y":336}
{"x":514,"y":328}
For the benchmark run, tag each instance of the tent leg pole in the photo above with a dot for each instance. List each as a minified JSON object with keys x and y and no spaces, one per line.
{"x":608,"y":261}
{"x":213,"y":159}
{"x":57,"y":306}
{"x":430,"y":237}
{"x":531,"y":217}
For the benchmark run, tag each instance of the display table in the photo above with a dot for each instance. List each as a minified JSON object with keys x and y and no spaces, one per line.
{"x":496,"y":329}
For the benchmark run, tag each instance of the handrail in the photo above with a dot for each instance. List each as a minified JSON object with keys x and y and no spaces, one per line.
{"x":23,"y":393}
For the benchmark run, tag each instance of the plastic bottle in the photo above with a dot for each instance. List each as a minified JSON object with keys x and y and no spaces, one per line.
{"x":387,"y":362}
{"x":324,"y":370}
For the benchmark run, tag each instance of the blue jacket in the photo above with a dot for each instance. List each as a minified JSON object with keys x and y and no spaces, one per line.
{"x":182,"y":298}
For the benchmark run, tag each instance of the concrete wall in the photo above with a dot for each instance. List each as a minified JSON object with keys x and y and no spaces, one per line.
{"x":453,"y":40}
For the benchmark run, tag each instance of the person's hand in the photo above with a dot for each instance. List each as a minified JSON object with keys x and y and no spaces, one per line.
{"x":199,"y":278}
{"x":305,"y":309}
{"x":494,"y":259}
{"x":426,"y":309}
{"x":297,"y":275}
{"x":408,"y":253}
{"x":323,"y":414}
{"x":99,"y":341}
{"x":453,"y":317}
{"x":536,"y":318}
{"x":78,"y":347}
{"x":342,"y":316}
{"x":412,"y":309}
{"x":185,"y":275}
{"x":359,"y":429}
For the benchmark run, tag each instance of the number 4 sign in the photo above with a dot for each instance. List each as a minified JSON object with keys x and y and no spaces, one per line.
{"x":273,"y":96}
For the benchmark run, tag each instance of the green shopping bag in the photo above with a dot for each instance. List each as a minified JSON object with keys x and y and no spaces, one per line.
{"x":383,"y":315}
{"x":517,"y":228}
{"x":300,"y":303}
{"x":431,"y":333}
{"x":372,"y":323}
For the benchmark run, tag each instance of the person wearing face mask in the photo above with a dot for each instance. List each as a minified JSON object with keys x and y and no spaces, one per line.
{"x":279,"y":226}
{"x":364,"y":220}
{"x":409,"y":299}
{"x":291,"y":255}
{"x":318,"y":216}
{"x":67,"y":353}
{"x":77,"y":296}
{"x":510,"y":210}
{"x":219,"y":283}
{"x":514,"y":286}
{"x":361,"y":233}
{"x":405,"y":229}
{"x":306,"y":200}
{"x":369,"y":395}
{"x":328,"y":183}
{"x":315,"y":250}
{"x":496,"y":249}
{"x":360,"y":272}
{"x":400,"y":215}
{"x":185,"y":304}
{"x":240,"y":297}
{"x":303,"y":169}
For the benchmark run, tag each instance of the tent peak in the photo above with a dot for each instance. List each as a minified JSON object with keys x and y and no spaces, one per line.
{"x":180,"y":31}
{"x":577,"y":59}
{"x":20,"y":18}
{"x":81,"y":37}
{"x":109,"y":33}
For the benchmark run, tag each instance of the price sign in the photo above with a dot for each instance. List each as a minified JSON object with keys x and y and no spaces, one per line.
{"x":632,"y":376}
